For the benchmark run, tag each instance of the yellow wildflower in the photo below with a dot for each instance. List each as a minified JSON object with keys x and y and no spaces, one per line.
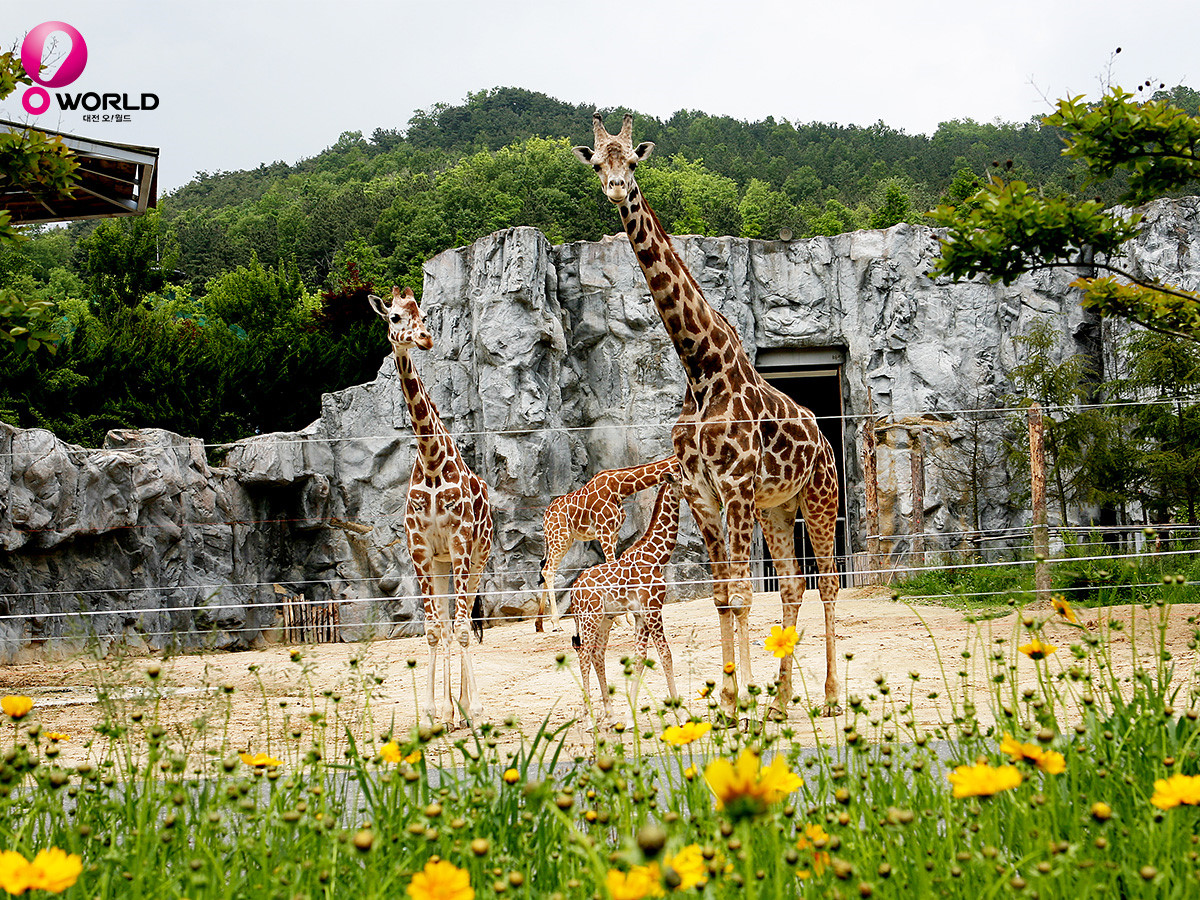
{"x":704,"y":692}
{"x":689,"y":865}
{"x":441,"y":880}
{"x":1037,"y":649}
{"x":259,"y":760}
{"x":728,"y":668}
{"x":679,"y":735}
{"x":813,"y":838}
{"x":690,"y":773}
{"x":54,"y":870}
{"x":1176,"y":790}
{"x":639,"y":882}
{"x":511,"y":776}
{"x":1049,"y":761}
{"x":982,"y":780}
{"x":413,"y":758}
{"x":14,"y":872}
{"x":16,"y":706}
{"x":57,"y":736}
{"x":1063,"y":608}
{"x":782,"y":641}
{"x":745,"y":787}
{"x":391,"y":752}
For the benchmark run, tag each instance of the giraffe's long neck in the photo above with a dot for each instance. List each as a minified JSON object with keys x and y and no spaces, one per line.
{"x":434,"y":444}
{"x":705,"y":340}
{"x":627,"y":482}
{"x":655,"y":547}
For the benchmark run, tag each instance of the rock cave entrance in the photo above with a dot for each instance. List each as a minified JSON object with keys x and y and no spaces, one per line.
{"x":813,"y":378}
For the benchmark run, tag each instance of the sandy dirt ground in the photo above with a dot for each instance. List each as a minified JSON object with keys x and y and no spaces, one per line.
{"x":255,"y":700}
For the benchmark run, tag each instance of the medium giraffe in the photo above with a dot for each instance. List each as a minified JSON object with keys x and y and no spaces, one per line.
{"x":447,"y":520}
{"x":743,"y":446}
{"x":634,"y":583}
{"x":591,"y":513}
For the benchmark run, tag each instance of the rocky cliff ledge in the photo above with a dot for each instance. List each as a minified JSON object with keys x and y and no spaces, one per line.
{"x":549,"y":364}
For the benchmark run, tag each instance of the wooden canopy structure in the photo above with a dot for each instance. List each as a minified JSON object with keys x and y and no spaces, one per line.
{"x":113,"y":180}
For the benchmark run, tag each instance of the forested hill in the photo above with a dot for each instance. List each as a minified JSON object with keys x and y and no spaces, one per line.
{"x":229,"y":309}
{"x":499,"y":159}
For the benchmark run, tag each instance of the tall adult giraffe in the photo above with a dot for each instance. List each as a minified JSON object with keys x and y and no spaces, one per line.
{"x":743,"y":446}
{"x":447,"y":519}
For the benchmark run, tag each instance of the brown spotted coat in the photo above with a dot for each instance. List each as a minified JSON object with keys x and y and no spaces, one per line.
{"x":593,"y":512}
{"x":632,"y":584}
{"x":447,"y":520}
{"x":745,"y":449}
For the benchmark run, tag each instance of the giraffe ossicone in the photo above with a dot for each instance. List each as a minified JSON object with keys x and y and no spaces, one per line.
{"x":447,"y":521}
{"x":746,"y":451}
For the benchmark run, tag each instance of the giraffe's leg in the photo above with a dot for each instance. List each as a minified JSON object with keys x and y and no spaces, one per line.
{"x":641,"y":645}
{"x":706,"y":511}
{"x":779,"y":533}
{"x":558,"y":541}
{"x":434,"y":582}
{"x":584,"y":635}
{"x":608,"y":541}
{"x":469,"y":698}
{"x":819,"y":506}
{"x":739,"y":524}
{"x":603,"y":623}
{"x":608,"y":544}
{"x":657,"y":631}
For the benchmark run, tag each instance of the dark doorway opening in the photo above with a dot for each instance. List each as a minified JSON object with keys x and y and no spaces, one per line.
{"x":813,"y":378}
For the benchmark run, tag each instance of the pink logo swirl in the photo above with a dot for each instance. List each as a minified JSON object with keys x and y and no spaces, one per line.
{"x":34,"y":46}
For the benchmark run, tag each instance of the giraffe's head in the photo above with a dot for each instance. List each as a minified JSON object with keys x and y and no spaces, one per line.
{"x":406,"y":328}
{"x":614,"y":157}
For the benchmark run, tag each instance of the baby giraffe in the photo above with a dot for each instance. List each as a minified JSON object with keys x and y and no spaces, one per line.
{"x":634,"y":583}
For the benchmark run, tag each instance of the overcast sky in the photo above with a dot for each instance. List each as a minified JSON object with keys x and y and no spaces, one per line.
{"x":251,"y":81}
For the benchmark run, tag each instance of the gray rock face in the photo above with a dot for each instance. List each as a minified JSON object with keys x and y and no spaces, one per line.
{"x":549,"y":365}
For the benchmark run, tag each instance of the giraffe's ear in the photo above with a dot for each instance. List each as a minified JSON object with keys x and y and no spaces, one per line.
{"x":644,"y":150}
{"x":583,"y":154}
{"x":378,"y":305}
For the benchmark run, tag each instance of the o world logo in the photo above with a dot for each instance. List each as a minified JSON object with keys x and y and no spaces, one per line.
{"x":36,"y":100}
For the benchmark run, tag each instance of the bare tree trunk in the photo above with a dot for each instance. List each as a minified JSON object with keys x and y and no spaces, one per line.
{"x":916,"y":460}
{"x":1041,"y":530}
{"x":871,"y":477}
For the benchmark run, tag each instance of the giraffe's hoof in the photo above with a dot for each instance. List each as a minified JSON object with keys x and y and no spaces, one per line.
{"x":750,"y":726}
{"x":722,"y":719}
{"x":831,"y":708}
{"x":777,"y":713}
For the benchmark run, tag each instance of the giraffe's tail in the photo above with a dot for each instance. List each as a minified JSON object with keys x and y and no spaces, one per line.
{"x":477,"y":618}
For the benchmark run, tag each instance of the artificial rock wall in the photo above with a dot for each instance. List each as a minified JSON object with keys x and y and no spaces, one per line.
{"x":550,"y":364}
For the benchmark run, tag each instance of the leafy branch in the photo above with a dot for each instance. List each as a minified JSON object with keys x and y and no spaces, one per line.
{"x":1006,"y":228}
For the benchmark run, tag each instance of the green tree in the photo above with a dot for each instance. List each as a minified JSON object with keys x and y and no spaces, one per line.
{"x":896,"y":208}
{"x":1165,"y":376}
{"x":126,"y":260}
{"x":766,"y":213}
{"x":1009,"y":228}
{"x":689,"y":198}
{"x":40,"y":164}
{"x":1073,"y":428}
{"x":835,"y":218}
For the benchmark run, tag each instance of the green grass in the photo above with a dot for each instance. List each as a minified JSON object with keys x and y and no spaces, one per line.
{"x":1085,"y":575}
{"x":167,"y":813}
